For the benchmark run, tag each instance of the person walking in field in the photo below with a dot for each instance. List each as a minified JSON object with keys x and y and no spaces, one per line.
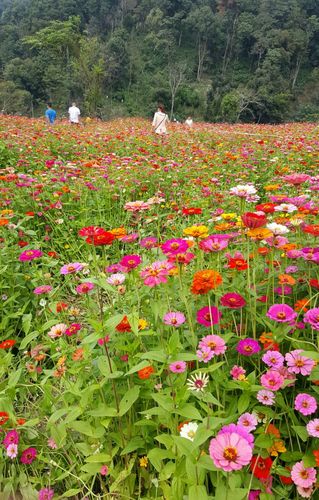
{"x":159,"y":121}
{"x":74,"y":114}
{"x":50,"y":114}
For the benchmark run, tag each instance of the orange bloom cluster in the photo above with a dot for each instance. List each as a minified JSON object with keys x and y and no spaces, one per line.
{"x":204,"y":281}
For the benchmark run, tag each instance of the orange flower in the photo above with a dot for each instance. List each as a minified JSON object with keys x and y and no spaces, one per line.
{"x":124,"y":325}
{"x":118,"y":232}
{"x":316,"y":455}
{"x":286,"y":279}
{"x":260,"y":233}
{"x":204,"y":281}
{"x":223,"y":226}
{"x":288,"y":246}
{"x":300,"y":305}
{"x":277,"y":447}
{"x":78,"y":354}
{"x":4,"y":222}
{"x":263,"y":250}
{"x":272,"y":429}
{"x":145,"y":373}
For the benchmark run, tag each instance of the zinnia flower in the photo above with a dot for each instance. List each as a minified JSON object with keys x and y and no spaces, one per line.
{"x":312,"y":317}
{"x":30,"y":255}
{"x":197,"y":382}
{"x":116,"y":279}
{"x":28,"y":455}
{"x":57,"y":330}
{"x":71,"y":268}
{"x":266,"y":397}
{"x":313,"y":428}
{"x":208,"y":316}
{"x":42,"y":289}
{"x":303,"y":476}
{"x":281,"y":313}
{"x":230,"y":451}
{"x":305,"y":404}
{"x":248,"y":421}
{"x":272,"y":380}
{"x":273,"y":359}
{"x":299,"y":364}
{"x":233,"y":300}
{"x":130,"y":261}
{"x":85,"y":287}
{"x":12,"y":437}
{"x":214,"y":343}
{"x":46,"y":494}
{"x":204,"y":281}
{"x":260,"y":467}
{"x":174,"y":318}
{"x":174,"y":246}
{"x":188,"y":430}
{"x":254,"y":220}
{"x":178,"y":367}
{"x":248,"y":347}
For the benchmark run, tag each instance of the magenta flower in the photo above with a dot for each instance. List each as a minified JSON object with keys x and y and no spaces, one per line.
{"x":46,"y":494}
{"x":313,"y":428}
{"x":266,"y":397}
{"x":130,"y":261}
{"x":85,"y":287}
{"x":230,"y":451}
{"x":254,"y":494}
{"x":204,"y":354}
{"x":248,"y":347}
{"x":305,"y":404}
{"x":129,"y":238}
{"x":178,"y":367}
{"x":281,"y":313}
{"x":11,"y":437}
{"x":30,"y":255}
{"x":149,"y":242}
{"x":240,"y":430}
{"x":12,"y":451}
{"x":115,"y":268}
{"x":303,"y":476}
{"x":215,"y":343}
{"x":155,"y":274}
{"x":273,"y":359}
{"x":208,"y":316}
{"x":174,"y":318}
{"x":272,"y":380}
{"x":213,"y":244}
{"x":248,"y":421}
{"x":299,"y":364}
{"x":71,"y":268}
{"x":39,"y":290}
{"x":233,"y":301}
{"x":73,"y":329}
{"x":28,"y":456}
{"x":312,"y":317}
{"x":174,"y":246}
{"x":238,"y":372}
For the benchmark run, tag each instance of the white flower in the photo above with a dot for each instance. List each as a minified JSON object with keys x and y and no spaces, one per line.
{"x":57,"y":330}
{"x":277,"y":229}
{"x":286,"y":207}
{"x":42,"y":302}
{"x":243,"y":190}
{"x":197,"y":382}
{"x":116,"y":279}
{"x":188,"y":431}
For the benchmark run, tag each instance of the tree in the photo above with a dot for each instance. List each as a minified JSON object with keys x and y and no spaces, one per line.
{"x":177,"y":76}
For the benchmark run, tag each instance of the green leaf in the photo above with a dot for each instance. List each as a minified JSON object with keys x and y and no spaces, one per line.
{"x":197,"y":492}
{"x":301,"y":431}
{"x":138,"y":367}
{"x":184,"y":446}
{"x":128,"y":400}
{"x":207,"y":463}
{"x":103,"y":411}
{"x":156,"y":457}
{"x":311,"y":354}
{"x":72,"y":493}
{"x":135,"y":443}
{"x":99,"y":457}
{"x":155,"y":356}
{"x":28,"y":339}
{"x":82,"y":427}
{"x":92,"y":469}
{"x":26,"y":323}
{"x":14,"y":378}
{"x":264,"y":441}
{"x":164,"y":401}
{"x":202,"y":434}
{"x":188,"y":411}
{"x":243,"y":402}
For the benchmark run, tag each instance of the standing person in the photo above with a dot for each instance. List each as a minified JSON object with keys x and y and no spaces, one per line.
{"x":189,"y":122}
{"x":160,"y":120}
{"x":74,"y":114}
{"x":50,"y":114}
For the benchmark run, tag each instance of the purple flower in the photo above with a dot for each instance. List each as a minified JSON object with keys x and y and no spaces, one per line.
{"x":174,"y":318}
{"x":208,"y":316}
{"x":312,"y":317}
{"x":28,"y":456}
{"x":45,"y":494}
{"x":281,"y":313}
{"x":248,"y":347}
{"x":273,"y":359}
{"x":305,"y":404}
{"x":266,"y":397}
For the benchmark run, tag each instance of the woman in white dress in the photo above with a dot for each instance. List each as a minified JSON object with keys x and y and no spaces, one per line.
{"x":159,"y":121}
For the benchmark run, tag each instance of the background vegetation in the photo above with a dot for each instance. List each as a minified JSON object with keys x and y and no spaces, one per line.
{"x":249,"y":60}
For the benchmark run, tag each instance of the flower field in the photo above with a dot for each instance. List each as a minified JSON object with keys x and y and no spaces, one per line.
{"x":159,"y":311}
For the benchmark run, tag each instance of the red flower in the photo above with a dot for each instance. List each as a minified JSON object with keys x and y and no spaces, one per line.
{"x":268,"y":208}
{"x":145,"y":373}
{"x":191,"y":211}
{"x":286,"y":479}
{"x":314,"y":283}
{"x":260,"y":467}
{"x":124,"y":326}
{"x":52,"y":254}
{"x":239,"y":264}
{"x":104,"y":238}
{"x":253,"y":220}
{"x":4,"y":417}
{"x":22,"y":244}
{"x":311,"y":229}
{"x":91,"y":231}
{"x":6,"y":344}
{"x":316,"y":455}
{"x":61,"y":306}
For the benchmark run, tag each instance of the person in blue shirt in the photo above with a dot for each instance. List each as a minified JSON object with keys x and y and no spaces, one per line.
{"x":50,"y":114}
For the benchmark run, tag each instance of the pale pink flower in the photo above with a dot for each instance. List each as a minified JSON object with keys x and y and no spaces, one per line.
{"x":303,"y":476}
{"x":57,"y":330}
{"x":12,"y":450}
{"x":273,"y":359}
{"x":230,"y":451}
{"x":299,"y":364}
{"x":272,"y":380}
{"x":248,"y":421}
{"x":313,"y":428}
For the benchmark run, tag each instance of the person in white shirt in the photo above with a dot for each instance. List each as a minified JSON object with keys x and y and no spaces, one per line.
{"x":189,"y":122}
{"x":74,"y":114}
{"x":159,"y":121}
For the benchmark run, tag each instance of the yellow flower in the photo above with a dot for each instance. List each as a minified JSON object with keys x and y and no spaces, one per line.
{"x":272,"y":187}
{"x":142,"y":324}
{"x":118,"y":232}
{"x":196,"y":231}
{"x":143,"y":462}
{"x":277,"y":447}
{"x":229,"y":216}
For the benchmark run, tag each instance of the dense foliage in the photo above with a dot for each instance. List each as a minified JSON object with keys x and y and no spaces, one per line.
{"x":222,"y":60}
{"x":159,"y":311}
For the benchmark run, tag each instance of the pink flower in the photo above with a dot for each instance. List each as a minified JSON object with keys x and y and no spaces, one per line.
{"x":85,"y":287}
{"x":11,"y":437}
{"x":305,"y":492}
{"x":230,"y":451}
{"x":239,"y":429}
{"x":248,"y":421}
{"x":28,"y":456}
{"x":57,"y":330}
{"x":305,"y":404}
{"x":129,"y":238}
{"x":313,"y":428}
{"x":204,"y":354}
{"x":46,"y":494}
{"x":273,"y":359}
{"x":103,"y":340}
{"x":116,"y":279}
{"x":73,"y":329}
{"x":299,"y":364}
{"x":12,"y":450}
{"x":208,"y":316}
{"x":30,"y":255}
{"x":213,"y":244}
{"x":136,"y":206}
{"x":303,"y":476}
{"x":312,"y":317}
{"x":130,"y":261}
{"x":233,"y":301}
{"x":266,"y":397}
{"x":42,"y":289}
{"x":71,"y":268}
{"x":155,"y":274}
{"x":281,"y":313}
{"x":104,"y":470}
{"x":149,"y":242}
{"x":248,"y":347}
{"x":214,"y":343}
{"x":237,"y":372}
{"x":174,"y":246}
{"x":52,"y":444}
{"x":178,"y":367}
{"x":272,"y":380}
{"x":174,"y":318}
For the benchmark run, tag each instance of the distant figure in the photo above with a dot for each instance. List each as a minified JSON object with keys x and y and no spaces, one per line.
{"x":160,"y":120}
{"x":74,"y":114}
{"x":50,"y":114}
{"x":189,"y":122}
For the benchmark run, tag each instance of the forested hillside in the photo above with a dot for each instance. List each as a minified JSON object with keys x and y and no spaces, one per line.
{"x":248,"y":60}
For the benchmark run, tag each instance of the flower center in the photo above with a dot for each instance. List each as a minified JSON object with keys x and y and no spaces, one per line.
{"x":191,"y":434}
{"x":281,"y":315}
{"x":304,"y":474}
{"x":230,"y":453}
{"x":300,"y":362}
{"x":199,"y":383}
{"x":211,"y":344}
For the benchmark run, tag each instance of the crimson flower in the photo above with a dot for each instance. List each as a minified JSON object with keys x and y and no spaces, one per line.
{"x":260,"y":467}
{"x":253,"y":220}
